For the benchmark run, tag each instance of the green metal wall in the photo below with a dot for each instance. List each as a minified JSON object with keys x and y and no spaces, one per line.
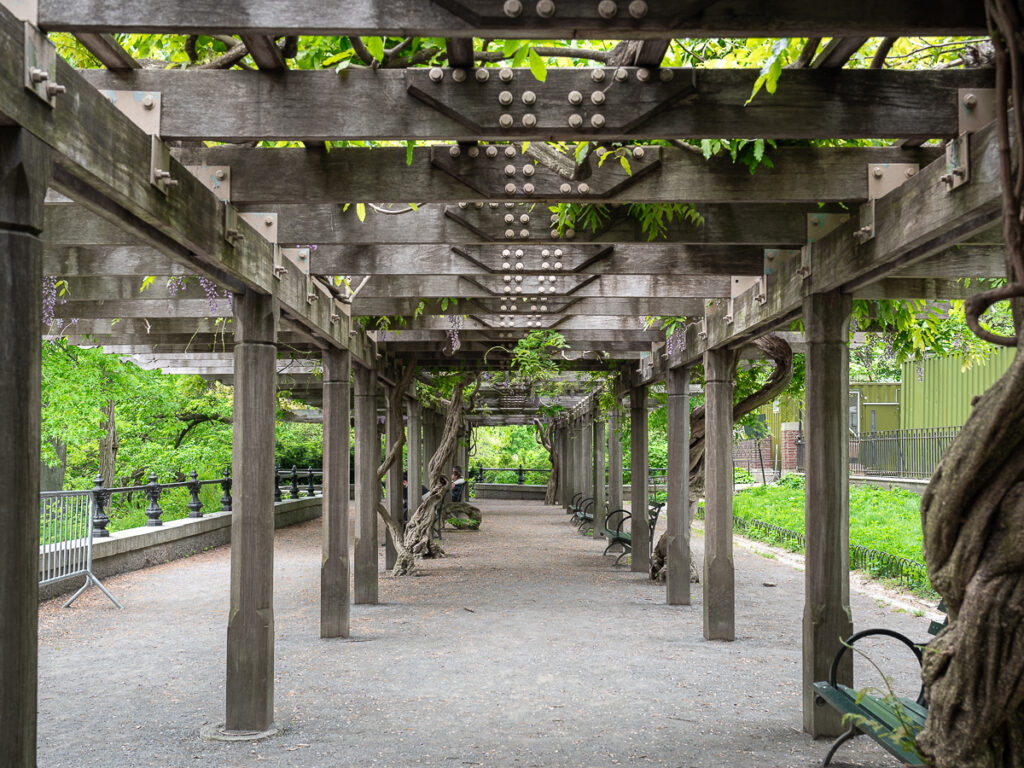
{"x":936,"y":393}
{"x":879,"y":405}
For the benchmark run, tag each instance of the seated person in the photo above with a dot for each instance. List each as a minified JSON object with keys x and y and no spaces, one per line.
{"x":458,"y":484}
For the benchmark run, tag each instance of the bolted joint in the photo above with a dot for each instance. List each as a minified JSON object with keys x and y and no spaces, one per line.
{"x":513,"y":8}
{"x":546,"y":9}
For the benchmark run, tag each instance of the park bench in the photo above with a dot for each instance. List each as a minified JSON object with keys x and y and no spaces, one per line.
{"x":617,"y":536}
{"x":574,"y":504}
{"x":585,"y":515}
{"x":875,"y":717}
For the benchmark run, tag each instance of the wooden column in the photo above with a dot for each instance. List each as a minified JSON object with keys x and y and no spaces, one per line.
{"x":598,"y":479}
{"x":587,"y":456}
{"x":250,"y":656}
{"x":367,"y":488}
{"x":677,"y":508}
{"x":827,"y":615}
{"x":394,"y":429}
{"x":414,"y":453}
{"x":719,"y":579}
{"x":334,"y":567}
{"x":614,"y":460}
{"x":24,"y":173}
{"x":577,"y":458}
{"x":641,"y":534}
{"x":565,"y":470}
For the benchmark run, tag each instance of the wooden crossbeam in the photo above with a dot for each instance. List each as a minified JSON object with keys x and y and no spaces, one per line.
{"x":629,"y":307}
{"x":799,"y":175}
{"x":566,"y":287}
{"x":110,"y":53}
{"x":575,"y":19}
{"x":393,"y":104}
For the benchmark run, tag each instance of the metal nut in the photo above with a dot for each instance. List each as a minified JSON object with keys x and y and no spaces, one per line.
{"x":505,"y":98}
{"x":509,"y":234}
{"x":877,"y":172}
{"x":436,"y":74}
{"x":597,"y":75}
{"x":510,"y":189}
{"x":583,"y":189}
{"x":638,"y":153}
{"x":529,"y":98}
{"x":492,"y":151}
{"x":505,"y":74}
{"x":638,"y":9}
{"x":666,"y":75}
{"x":565,"y":189}
{"x":528,"y":170}
{"x":529,"y":121}
{"x":970,"y":100}
{"x":510,"y":151}
{"x":524,"y":233}
{"x":575,"y":121}
{"x":607,"y":9}
{"x":513,"y":8}
{"x":510,"y":170}
{"x":546,"y":9}
{"x":38,"y":75}
{"x":52,"y":89}
{"x":528,"y":189}
{"x":524,"y":219}
{"x":483,"y":75}
{"x":148,"y":102}
{"x":505,"y":121}
{"x":597,"y":121}
{"x":575,"y":98}
{"x":643,"y":74}
{"x":454,"y":150}
{"x":597,"y":97}
{"x":509,"y":218}
{"x":459,"y":75}
{"x":473,"y":151}
{"x":569,"y":234}
{"x":621,"y":74}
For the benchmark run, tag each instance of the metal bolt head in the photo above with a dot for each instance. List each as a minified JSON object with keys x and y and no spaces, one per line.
{"x":148,"y":102}
{"x":38,"y":75}
{"x":970,"y":100}
{"x":478,"y":205}
{"x":558,"y":255}
{"x":510,"y":151}
{"x":558,"y":265}
{"x":528,"y":189}
{"x":554,"y":234}
{"x":524,"y":219}
{"x":519,"y":255}
{"x":459,"y":75}
{"x":910,"y":172}
{"x":507,"y":278}
{"x":506,"y":121}
{"x":529,"y":98}
{"x":546,"y":265}
{"x":505,"y":265}
{"x":268,"y":221}
{"x":506,"y":253}
{"x":505,"y":98}
{"x":570,"y":234}
{"x":504,"y":308}
{"x":575,"y":121}
{"x":473,"y":151}
{"x":463,"y":206}
{"x":666,"y":75}
{"x":524,"y":233}
{"x":546,"y":9}
{"x":509,"y":218}
{"x":607,"y":9}
{"x":52,"y":89}
{"x":597,"y":75}
{"x":643,"y":74}
{"x":510,"y":170}
{"x":519,"y":289}
{"x":528,"y":170}
{"x":454,"y":150}
{"x":219,"y":173}
{"x":509,"y":234}
{"x":529,"y":121}
{"x":510,"y":189}
{"x":575,"y":97}
{"x":621,"y":74}
{"x":519,"y":267}
{"x":492,"y":151}
{"x":482,"y":75}
{"x":436,"y":74}
{"x":583,"y":188}
{"x":638,"y":153}
{"x":505,"y":74}
{"x":877,"y":172}
{"x":545,"y":253}
{"x":508,"y":289}
{"x":492,"y":205}
{"x":597,"y":121}
{"x":597,"y":97}
{"x":638,"y":9}
{"x":513,"y":8}
{"x":565,"y":189}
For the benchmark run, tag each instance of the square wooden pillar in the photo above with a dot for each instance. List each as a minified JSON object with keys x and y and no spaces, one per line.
{"x":640,"y":556}
{"x":334,"y":565}
{"x":677,"y":507}
{"x":615,"y":469}
{"x":719,"y":576}
{"x":24,"y":173}
{"x":827,"y":615}
{"x":414,"y":452}
{"x":598,"y":479}
{"x":587,"y":456}
{"x":250,"y":653}
{"x":367,"y":488}
{"x":394,"y":430}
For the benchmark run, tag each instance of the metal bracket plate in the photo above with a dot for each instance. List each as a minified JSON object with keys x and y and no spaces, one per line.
{"x":805,"y":269}
{"x":297,"y":256}
{"x":500,"y":176}
{"x":24,"y":10}
{"x":958,"y":162}
{"x":264,"y":223}
{"x":883,"y":178}
{"x":821,"y":224}
{"x":160,"y":165}
{"x":866,"y":219}
{"x":41,"y":66}
{"x":976,"y":108}
{"x":141,"y":107}
{"x":232,"y":227}
{"x":216,"y":178}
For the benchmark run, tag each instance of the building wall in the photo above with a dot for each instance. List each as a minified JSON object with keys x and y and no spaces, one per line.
{"x":937,"y":393}
{"x":879,"y":405}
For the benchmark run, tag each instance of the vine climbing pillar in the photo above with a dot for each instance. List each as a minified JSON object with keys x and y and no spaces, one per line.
{"x":598,"y":481}
{"x":614,"y":459}
{"x":719,"y":575}
{"x":334,"y":567}
{"x":640,"y":556}
{"x":24,"y":173}
{"x":367,"y":487}
{"x":827,"y":615}
{"x":677,"y":507}
{"x":250,"y":651}
{"x":394,"y":430}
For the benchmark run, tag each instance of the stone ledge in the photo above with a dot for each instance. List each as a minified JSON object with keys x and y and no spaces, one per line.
{"x":143,"y":547}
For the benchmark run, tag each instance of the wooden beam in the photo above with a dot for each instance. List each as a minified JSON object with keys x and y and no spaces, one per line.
{"x":403,"y":104}
{"x":799,"y":175}
{"x":576,"y":19}
{"x":631,"y":307}
{"x":838,"y":51}
{"x":566,"y":286}
{"x":104,"y":47}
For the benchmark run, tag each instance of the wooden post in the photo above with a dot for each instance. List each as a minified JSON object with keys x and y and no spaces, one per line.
{"x":565,"y":470}
{"x":414,"y":494}
{"x":334,"y":567}
{"x":640,"y":556}
{"x":367,"y":488}
{"x":587,"y":456}
{"x":719,"y":579}
{"x":578,"y":486}
{"x":250,"y":656}
{"x":598,"y":480}
{"x":24,"y":174}
{"x":827,"y":615}
{"x":614,"y":460}
{"x":677,"y":507}
{"x":393,"y":480}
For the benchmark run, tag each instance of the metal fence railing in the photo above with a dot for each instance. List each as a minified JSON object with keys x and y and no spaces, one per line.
{"x":911,"y":453}
{"x":519,"y":475}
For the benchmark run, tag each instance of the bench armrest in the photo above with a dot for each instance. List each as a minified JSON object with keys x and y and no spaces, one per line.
{"x":881,"y":631}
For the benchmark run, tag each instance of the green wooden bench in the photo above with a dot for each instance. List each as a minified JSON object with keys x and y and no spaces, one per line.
{"x":617,"y":536}
{"x":877,"y":718}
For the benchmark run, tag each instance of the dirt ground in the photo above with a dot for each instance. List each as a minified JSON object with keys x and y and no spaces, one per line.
{"x":525,"y":647}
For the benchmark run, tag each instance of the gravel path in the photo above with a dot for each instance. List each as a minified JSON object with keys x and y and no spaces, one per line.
{"x":524,"y":648}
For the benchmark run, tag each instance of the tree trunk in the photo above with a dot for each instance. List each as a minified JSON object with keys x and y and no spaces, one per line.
{"x":546,"y":438}
{"x":782,"y":355}
{"x":109,"y":446}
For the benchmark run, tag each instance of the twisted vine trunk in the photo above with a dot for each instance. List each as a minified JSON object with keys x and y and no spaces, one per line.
{"x":546,"y":438}
{"x":973,"y":510}
{"x":779,"y":351}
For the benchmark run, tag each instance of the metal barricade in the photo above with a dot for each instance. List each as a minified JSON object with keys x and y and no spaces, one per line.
{"x":65,"y":540}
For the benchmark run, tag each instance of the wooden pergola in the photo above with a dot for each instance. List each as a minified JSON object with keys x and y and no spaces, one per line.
{"x":104,"y":181}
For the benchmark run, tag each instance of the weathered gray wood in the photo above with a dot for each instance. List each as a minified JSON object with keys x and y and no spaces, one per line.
{"x":334,"y":567}
{"x":118,"y":260}
{"x":304,"y":104}
{"x":677,"y":506}
{"x":250,"y":652}
{"x":719,"y":578}
{"x":838,"y":51}
{"x":24,"y":169}
{"x":438,"y":337}
{"x":800,"y":175}
{"x":827,"y":616}
{"x":573,"y":286}
{"x":639,"y":463}
{"x":367,"y":450}
{"x":394,"y":429}
{"x":562,"y":443}
{"x":264,"y":52}
{"x":630,"y":307}
{"x":599,"y":445}
{"x":565,"y":323}
{"x":614,"y":460}
{"x":650,"y":259}
{"x":575,"y":19}
{"x":587,"y":463}
{"x":414,"y":455}
{"x":918,"y":288}
{"x":105,"y":47}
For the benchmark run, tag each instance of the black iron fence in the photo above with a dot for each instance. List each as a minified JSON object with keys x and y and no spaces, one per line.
{"x":912,"y":453}
{"x":519,"y":475}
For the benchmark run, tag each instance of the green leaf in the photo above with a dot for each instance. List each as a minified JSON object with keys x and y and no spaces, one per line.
{"x":146,"y":282}
{"x":537,"y":66}
{"x":361,"y":211}
{"x":408,"y":151}
{"x":375,"y":45}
